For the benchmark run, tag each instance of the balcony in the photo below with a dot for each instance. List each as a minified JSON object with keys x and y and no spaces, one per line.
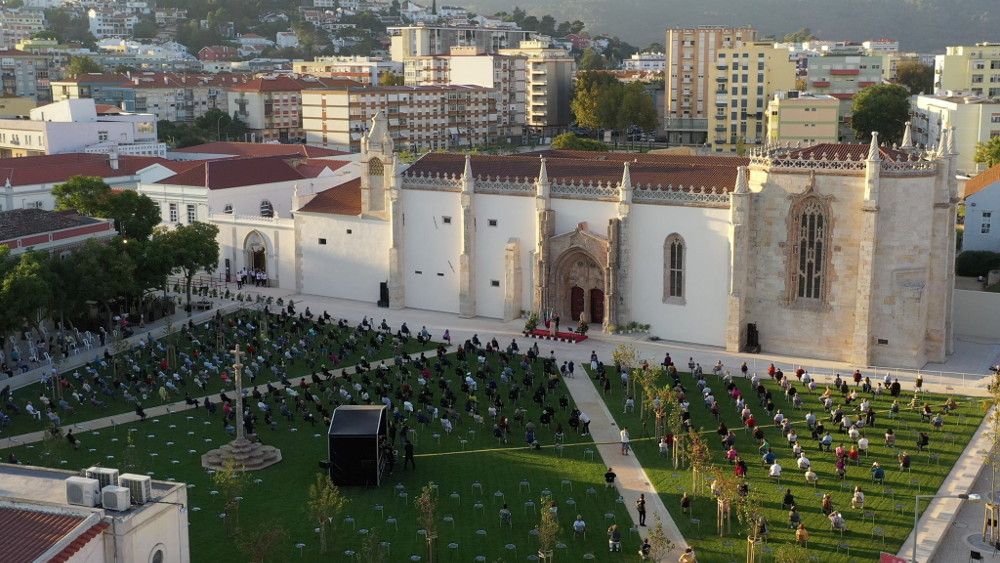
{"x":721,"y":79}
{"x":843,"y":96}
{"x":722,"y":66}
{"x":821,"y":83}
{"x":720,"y":128}
{"x":845,"y":71}
{"x":865,"y":84}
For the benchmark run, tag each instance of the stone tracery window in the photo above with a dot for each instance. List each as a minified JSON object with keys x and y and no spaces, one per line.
{"x":811,"y":234}
{"x":375,"y":167}
{"x":674,"y":256}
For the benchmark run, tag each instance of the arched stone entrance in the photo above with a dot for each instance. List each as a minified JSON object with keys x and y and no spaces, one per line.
{"x":255,"y":252}
{"x":578,"y":280}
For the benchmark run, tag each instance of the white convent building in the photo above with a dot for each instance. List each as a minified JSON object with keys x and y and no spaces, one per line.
{"x":836,"y":251}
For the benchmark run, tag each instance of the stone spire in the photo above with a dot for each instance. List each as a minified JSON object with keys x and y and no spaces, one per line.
{"x":378,"y":139}
{"x":951,"y":141}
{"x":543,"y":172}
{"x":907,"y":138}
{"x":625,"y":187}
{"x":942,"y":142}
{"x":742,"y":181}
{"x":873,"y":152}
{"x":467,"y":179}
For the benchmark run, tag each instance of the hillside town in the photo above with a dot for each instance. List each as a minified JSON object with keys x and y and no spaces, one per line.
{"x":242,"y":238}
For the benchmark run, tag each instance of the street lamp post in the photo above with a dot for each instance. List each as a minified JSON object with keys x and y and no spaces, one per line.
{"x":916,"y":514}
{"x":218,"y":130}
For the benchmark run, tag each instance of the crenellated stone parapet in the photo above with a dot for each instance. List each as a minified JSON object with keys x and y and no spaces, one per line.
{"x":912,"y":162}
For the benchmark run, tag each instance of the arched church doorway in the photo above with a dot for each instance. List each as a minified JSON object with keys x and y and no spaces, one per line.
{"x":255,"y":252}
{"x":579,"y":288}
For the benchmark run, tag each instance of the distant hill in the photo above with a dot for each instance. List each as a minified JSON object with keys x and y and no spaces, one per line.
{"x":919,"y":25}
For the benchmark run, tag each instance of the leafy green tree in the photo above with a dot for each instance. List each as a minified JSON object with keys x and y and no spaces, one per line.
{"x":45,"y":34}
{"x":28,"y":289}
{"x":592,"y":60}
{"x":884,"y":108}
{"x":191,"y":249}
{"x":655,"y":48}
{"x":217,"y":124}
{"x":530,"y":23}
{"x":596,"y":99}
{"x":391,"y":79}
{"x":325,"y":505}
{"x":563,"y":29}
{"x":988,"y":153}
{"x":576,"y":26}
{"x":180,"y":135}
{"x":145,"y":29}
{"x":135,"y":214}
{"x":569,"y":141}
{"x":637,"y":108}
{"x":919,"y":78}
{"x":87,"y":194}
{"x":547,"y":25}
{"x":102,"y":273}
{"x":82,"y":64}
{"x":804,"y":34}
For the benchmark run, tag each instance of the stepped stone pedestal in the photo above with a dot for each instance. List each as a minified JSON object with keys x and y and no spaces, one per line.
{"x":250,"y":456}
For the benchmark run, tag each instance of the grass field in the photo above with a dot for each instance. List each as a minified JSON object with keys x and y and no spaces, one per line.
{"x":171,"y":446}
{"x":888,"y":508}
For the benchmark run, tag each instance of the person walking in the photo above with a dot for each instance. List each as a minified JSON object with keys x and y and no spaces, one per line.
{"x":408,"y":456}
{"x":626,"y":440}
{"x":640,"y":506}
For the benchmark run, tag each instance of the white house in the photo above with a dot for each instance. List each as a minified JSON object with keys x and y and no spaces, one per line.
{"x":982,"y":200}
{"x":287,"y":39}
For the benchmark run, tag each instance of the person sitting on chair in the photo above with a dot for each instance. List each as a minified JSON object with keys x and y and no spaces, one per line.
{"x":579,"y":526}
{"x":645,"y":549}
{"x":923,"y":440}
{"x":904,"y":460}
{"x":614,"y":538}
{"x":878,"y":474}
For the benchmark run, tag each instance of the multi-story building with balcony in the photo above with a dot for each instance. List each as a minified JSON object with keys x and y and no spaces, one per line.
{"x":424,"y":40}
{"x":802,"y":119}
{"x":973,"y":118}
{"x":843,"y":76}
{"x":365,"y":70}
{"x":18,"y":25}
{"x":24,"y":74}
{"x":690,"y":77}
{"x":549,"y":75}
{"x":974,"y":69}
{"x":469,"y":66}
{"x":646,"y":62}
{"x":271,"y":106}
{"x":109,"y":22}
{"x":418,"y":117}
{"x":745,"y":79}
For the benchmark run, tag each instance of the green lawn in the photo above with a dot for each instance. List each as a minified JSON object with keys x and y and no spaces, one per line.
{"x":164,"y":446}
{"x":891,"y":504}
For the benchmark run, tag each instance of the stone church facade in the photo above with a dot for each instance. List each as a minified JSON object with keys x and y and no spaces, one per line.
{"x":837,"y":251}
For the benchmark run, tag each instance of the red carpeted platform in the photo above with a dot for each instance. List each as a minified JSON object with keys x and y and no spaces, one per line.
{"x":569,"y":337}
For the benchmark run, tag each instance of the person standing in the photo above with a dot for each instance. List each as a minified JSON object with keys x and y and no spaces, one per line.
{"x":640,"y":506}
{"x":625,"y":440}
{"x":408,"y":456}
{"x":609,"y":479}
{"x":585,"y":424}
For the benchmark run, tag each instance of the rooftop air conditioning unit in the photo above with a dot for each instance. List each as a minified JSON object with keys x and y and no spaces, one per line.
{"x":140,"y":487}
{"x":106,"y":476}
{"x":116,"y":498}
{"x":82,"y":491}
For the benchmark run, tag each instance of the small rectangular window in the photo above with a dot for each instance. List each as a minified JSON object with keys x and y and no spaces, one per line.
{"x":322,"y":241}
{"x":349,"y":231}
{"x":494,"y":283}
{"x":192,"y":213}
{"x":418,"y":272}
{"x":491,"y":222}
{"x":446,"y":220}
{"x":441,"y":274}
{"x":987,"y":216}
{"x":883,"y":342}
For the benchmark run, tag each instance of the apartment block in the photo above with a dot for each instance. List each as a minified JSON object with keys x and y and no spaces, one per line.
{"x":974,"y":69}
{"x":689,"y":77}
{"x":420,"y":117}
{"x":803,"y":119}
{"x":549,"y":76}
{"x":843,"y":76}
{"x":109,"y":22}
{"x":18,"y":25}
{"x":468,"y":66}
{"x":24,"y":74}
{"x":424,"y":40}
{"x":271,"y":106}
{"x":745,"y":78}
{"x":365,"y":70}
{"x":975,"y":118}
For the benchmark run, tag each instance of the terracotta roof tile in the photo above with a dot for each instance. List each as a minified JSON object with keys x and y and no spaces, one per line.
{"x":588,"y":167}
{"x":16,"y":223}
{"x":243,"y":171}
{"x":845,"y":151}
{"x":79,"y":543}
{"x":26,"y":534}
{"x":260,"y":149}
{"x":95,"y":78}
{"x":54,"y":168}
{"x":982,"y":180}
{"x":344,"y":199}
{"x":282,"y":83}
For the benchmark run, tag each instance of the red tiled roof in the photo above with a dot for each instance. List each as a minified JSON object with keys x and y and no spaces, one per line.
{"x":16,"y":223}
{"x":53,"y":168}
{"x":260,"y":149}
{"x":344,"y":199}
{"x":95,"y":78}
{"x":26,"y":534}
{"x":844,"y":151}
{"x":282,"y":83}
{"x":589,"y":167}
{"x":104,"y":109}
{"x":982,"y":180}
{"x":79,"y":543}
{"x":242,"y":171}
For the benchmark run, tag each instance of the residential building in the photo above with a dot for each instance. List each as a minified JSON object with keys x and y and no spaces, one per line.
{"x":271,"y":106}
{"x":646,"y":62}
{"x":880,"y":46}
{"x":218,"y":53}
{"x":15,"y":106}
{"x":24,"y":74}
{"x":424,"y":40}
{"x":286,"y":40}
{"x":76,"y":126}
{"x":252,"y":45}
{"x":16,"y":25}
{"x":550,"y":73}
{"x":111,"y":22}
{"x":982,"y":200}
{"x":691,"y":64}
{"x":975,"y":119}
{"x":843,"y":76}
{"x":696,"y":246}
{"x":38,"y":524}
{"x":746,"y":78}
{"x":469,"y":66}
{"x":803,"y":119}
{"x":226,"y":149}
{"x":419,"y":117}
{"x":972,"y":68}
{"x":58,"y":233}
{"x":364,"y":70}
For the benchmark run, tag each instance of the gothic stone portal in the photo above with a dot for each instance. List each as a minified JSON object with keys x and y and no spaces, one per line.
{"x":578,"y":281}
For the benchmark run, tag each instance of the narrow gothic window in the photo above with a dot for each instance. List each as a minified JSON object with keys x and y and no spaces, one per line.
{"x":811,"y":248}
{"x":375,"y":167}
{"x":673,"y":266}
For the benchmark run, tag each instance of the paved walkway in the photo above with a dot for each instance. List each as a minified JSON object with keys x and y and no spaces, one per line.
{"x":935,"y":538}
